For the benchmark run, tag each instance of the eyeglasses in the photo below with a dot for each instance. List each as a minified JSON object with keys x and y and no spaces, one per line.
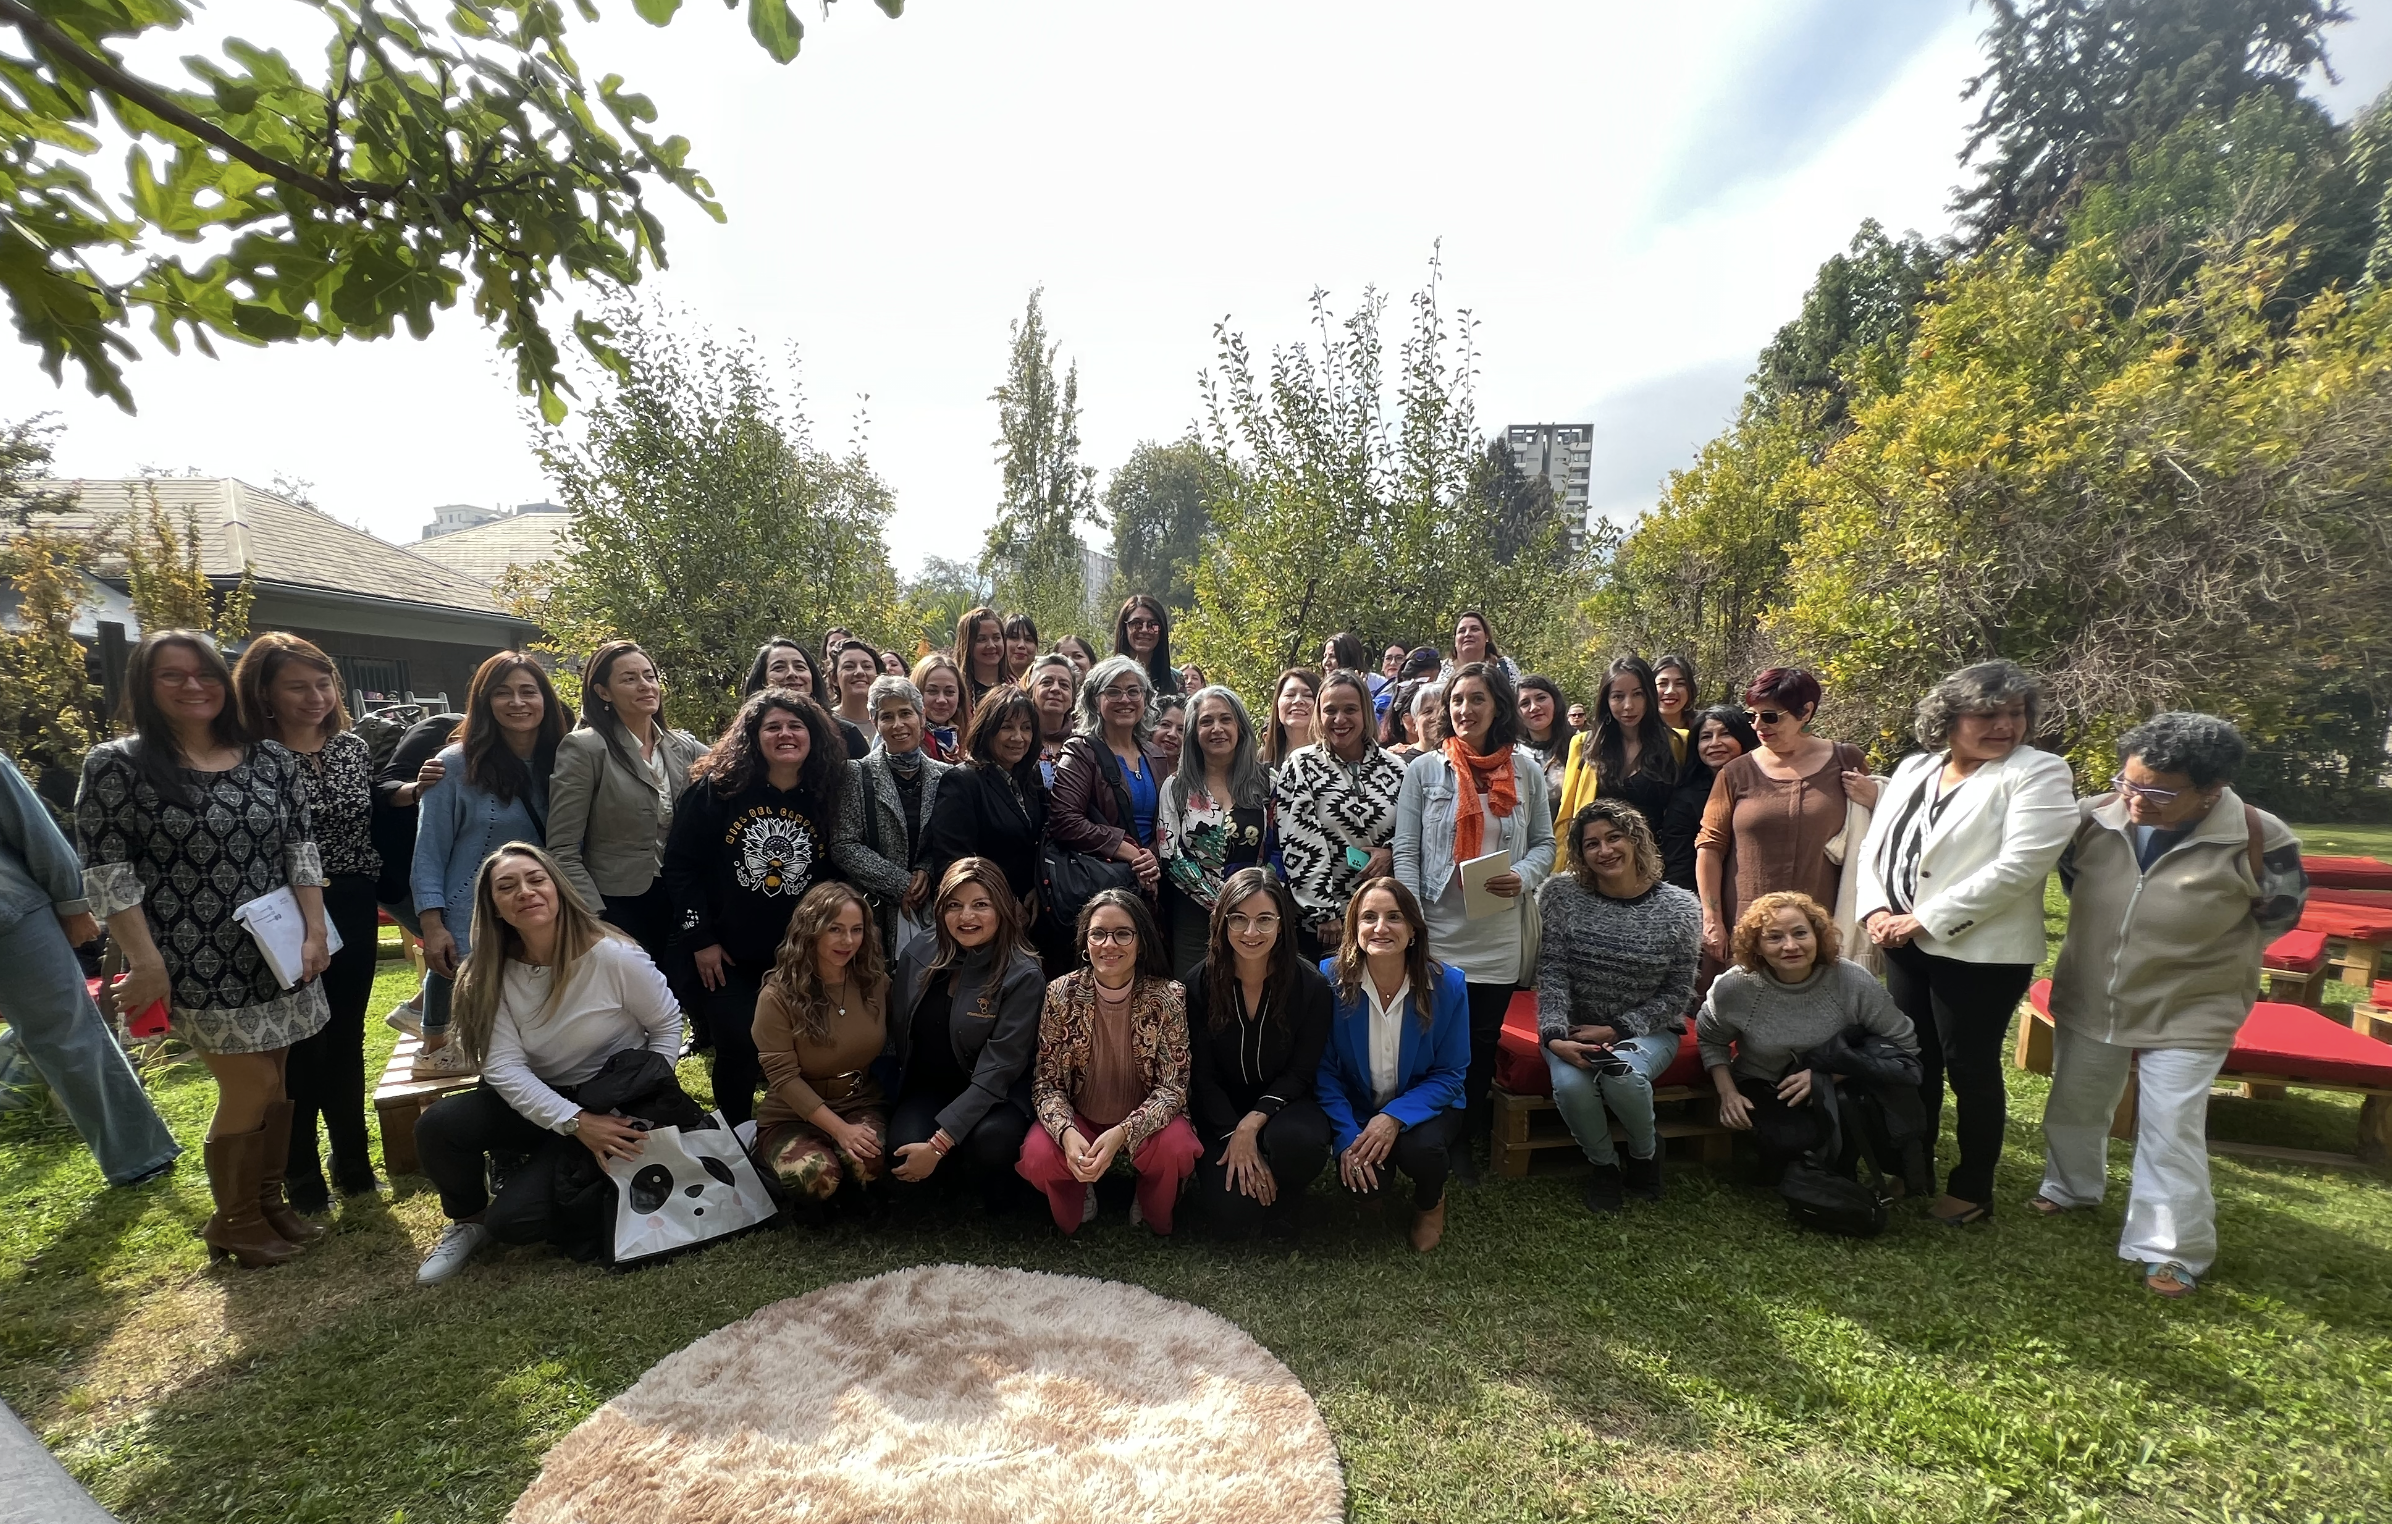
{"x":1129,"y":691}
{"x":1241,"y":925}
{"x":2149,"y":795}
{"x":187,"y":679}
{"x":1112,"y":936}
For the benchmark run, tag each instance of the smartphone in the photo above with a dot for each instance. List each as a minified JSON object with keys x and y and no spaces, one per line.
{"x":1356,"y":858}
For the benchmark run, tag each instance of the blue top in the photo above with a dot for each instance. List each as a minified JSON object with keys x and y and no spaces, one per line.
{"x":1145,"y":796}
{"x":1429,"y":1066}
{"x":39,"y":871}
{"x":457,"y":825}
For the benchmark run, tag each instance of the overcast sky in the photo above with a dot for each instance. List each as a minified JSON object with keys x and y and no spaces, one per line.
{"x":1631,"y":199}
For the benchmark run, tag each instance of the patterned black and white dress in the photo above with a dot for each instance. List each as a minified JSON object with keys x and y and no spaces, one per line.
{"x":189,"y":865}
{"x":1323,"y":806}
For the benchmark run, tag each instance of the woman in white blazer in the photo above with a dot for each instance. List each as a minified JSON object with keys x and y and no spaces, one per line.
{"x":1952,"y":875}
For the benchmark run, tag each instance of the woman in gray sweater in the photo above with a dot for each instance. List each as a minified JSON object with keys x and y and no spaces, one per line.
{"x":1615,"y":973}
{"x":1789,"y":992}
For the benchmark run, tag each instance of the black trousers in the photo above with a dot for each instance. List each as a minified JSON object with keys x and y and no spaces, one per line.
{"x":1294,"y":1143}
{"x":731,"y":1017}
{"x":326,"y":1072}
{"x":1488,"y":1002}
{"x":987,"y":1153}
{"x":454,"y":1139}
{"x":647,"y":918}
{"x":1425,"y":1156}
{"x":1962,"y":1012}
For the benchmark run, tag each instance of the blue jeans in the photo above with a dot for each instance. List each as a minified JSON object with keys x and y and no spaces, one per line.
{"x":1583,"y":1096}
{"x":436,"y":990}
{"x":46,"y":1000}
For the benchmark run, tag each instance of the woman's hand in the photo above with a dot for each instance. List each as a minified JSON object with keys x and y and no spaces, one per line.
{"x":1378,"y":1139}
{"x":1143,"y":863}
{"x":1595,"y":1036}
{"x":916,"y":891}
{"x":1569,"y":1051}
{"x":1506,"y":884}
{"x":410,"y":794}
{"x":1715,"y":936}
{"x":1887,"y":929}
{"x":851,"y":1138}
{"x":610,"y":1137}
{"x":1381,"y":864}
{"x":915,"y":1161}
{"x":140,"y":986}
{"x":81,"y":929}
{"x":1735,"y":1112}
{"x":1090,"y":1158}
{"x":440,"y":949}
{"x":1861,"y":789}
{"x":1247,"y":1174}
{"x":315,"y":955}
{"x":711,"y":961}
{"x":1795,"y":1088}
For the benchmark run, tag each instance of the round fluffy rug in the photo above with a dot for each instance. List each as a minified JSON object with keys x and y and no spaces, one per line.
{"x":953,"y":1394}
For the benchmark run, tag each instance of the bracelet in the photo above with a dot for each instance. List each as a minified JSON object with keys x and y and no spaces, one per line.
{"x":940,"y":1142}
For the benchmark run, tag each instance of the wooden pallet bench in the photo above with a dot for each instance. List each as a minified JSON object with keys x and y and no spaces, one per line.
{"x":401,"y":1098}
{"x":1525,"y":1124}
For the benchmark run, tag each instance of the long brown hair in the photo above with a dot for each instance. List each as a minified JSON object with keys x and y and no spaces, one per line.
{"x":1012,"y":937}
{"x":1221,"y":960}
{"x":795,"y":980}
{"x":158,"y":756}
{"x":1274,"y":748}
{"x":734,"y":761}
{"x":965,"y":628}
{"x":262,"y":663}
{"x":1418,"y":965}
{"x":489,"y":764}
{"x":481,"y":982}
{"x":598,"y":711}
{"x":1002,"y":703}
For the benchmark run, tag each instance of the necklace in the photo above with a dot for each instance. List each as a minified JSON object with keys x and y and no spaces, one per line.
{"x":841,"y":1001}
{"x":1108,"y":997}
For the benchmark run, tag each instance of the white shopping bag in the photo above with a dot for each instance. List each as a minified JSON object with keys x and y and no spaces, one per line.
{"x":686,"y":1187}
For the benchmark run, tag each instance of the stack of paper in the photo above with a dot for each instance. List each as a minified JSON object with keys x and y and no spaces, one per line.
{"x":275,"y":923}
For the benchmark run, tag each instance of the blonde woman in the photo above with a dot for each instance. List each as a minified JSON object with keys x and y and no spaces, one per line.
{"x":548,"y":994}
{"x":821,"y":1019}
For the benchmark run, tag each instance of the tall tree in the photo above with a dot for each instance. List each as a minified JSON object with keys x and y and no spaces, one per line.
{"x":706,"y":520}
{"x":2071,"y":83}
{"x":1158,"y":504}
{"x":1033,"y":554}
{"x":1855,"y":324}
{"x":940,"y":594}
{"x":426,"y":156}
{"x":1519,"y":507}
{"x":49,"y":707}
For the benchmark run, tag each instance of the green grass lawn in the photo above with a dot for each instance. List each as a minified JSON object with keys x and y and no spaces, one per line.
{"x":1694,"y":1360}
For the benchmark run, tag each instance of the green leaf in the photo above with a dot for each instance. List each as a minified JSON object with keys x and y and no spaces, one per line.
{"x":770,"y":23}
{"x":656,"y":12}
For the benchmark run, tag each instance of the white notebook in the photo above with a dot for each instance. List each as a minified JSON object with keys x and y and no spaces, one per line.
{"x":275,"y":923}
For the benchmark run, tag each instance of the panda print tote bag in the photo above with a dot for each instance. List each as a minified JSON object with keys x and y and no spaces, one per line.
{"x":687,"y":1187}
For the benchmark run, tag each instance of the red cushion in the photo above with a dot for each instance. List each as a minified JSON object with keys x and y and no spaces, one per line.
{"x":2382,"y":993}
{"x":2298,"y":952}
{"x":2292,"y":1041}
{"x":2348,"y":872}
{"x":1520,"y":1058}
{"x":2362,"y":914}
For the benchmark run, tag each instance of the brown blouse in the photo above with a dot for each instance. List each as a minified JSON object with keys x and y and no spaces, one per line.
{"x":794,"y":1063}
{"x":1110,"y":1087}
{"x":1774,"y":833}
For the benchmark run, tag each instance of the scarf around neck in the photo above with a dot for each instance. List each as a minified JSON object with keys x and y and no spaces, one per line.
{"x":1491,"y":774}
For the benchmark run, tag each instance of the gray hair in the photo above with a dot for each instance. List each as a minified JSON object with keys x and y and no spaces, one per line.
{"x":1981,"y":689}
{"x":889,"y":686}
{"x":1249,"y":780}
{"x":2203,"y":747}
{"x":1091,"y":721}
{"x":1050,"y":659}
{"x":1428,"y":707}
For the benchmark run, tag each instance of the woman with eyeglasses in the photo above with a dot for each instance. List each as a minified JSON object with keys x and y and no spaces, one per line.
{"x":1258,"y":1020}
{"x":1215,"y":819}
{"x":1112,"y":1075}
{"x":1774,"y":812}
{"x":1142,"y":632}
{"x":2174,"y":885}
{"x":1951,"y":891}
{"x":1108,"y":789}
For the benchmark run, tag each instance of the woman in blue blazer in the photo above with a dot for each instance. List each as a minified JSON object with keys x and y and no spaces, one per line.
{"x":1399,"y":1046}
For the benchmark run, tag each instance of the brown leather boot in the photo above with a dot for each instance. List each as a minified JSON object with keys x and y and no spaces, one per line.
{"x":1428,"y":1228}
{"x":274,"y":1159}
{"x":237,"y":1231}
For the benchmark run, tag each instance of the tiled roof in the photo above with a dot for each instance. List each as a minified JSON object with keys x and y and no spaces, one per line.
{"x":284,"y":543}
{"x":484,"y":551}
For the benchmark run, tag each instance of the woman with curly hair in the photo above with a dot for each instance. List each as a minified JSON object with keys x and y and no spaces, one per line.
{"x":749,"y":838}
{"x":821,"y":1019}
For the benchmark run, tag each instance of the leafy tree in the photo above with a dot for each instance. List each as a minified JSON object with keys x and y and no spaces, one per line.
{"x":2071,"y":84}
{"x":1856,"y":321}
{"x":1520,"y":507}
{"x":1033,"y":553}
{"x":49,"y":707}
{"x":424,"y":157}
{"x":937,"y":598}
{"x":1157,"y":503}
{"x":707,"y":521}
{"x":164,"y":575}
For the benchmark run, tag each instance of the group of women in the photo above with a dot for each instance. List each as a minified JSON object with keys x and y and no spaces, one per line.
{"x":1059,"y":913}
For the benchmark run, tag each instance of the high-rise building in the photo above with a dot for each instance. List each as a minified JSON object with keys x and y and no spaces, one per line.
{"x":1564,"y":454}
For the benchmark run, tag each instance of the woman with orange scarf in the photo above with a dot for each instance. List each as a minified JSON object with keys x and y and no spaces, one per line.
{"x":1478,"y":794}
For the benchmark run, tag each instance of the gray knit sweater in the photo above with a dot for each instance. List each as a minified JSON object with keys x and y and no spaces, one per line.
{"x":1773,"y":1024}
{"x":1603,"y":962}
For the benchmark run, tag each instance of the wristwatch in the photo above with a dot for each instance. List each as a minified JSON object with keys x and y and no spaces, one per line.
{"x":572,"y":1127}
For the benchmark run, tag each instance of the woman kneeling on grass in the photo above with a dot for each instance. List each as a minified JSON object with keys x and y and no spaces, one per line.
{"x":1789,"y":993}
{"x":548,"y":995}
{"x":1113,"y":1071}
{"x":1393,"y":1088}
{"x":820,"y":1022}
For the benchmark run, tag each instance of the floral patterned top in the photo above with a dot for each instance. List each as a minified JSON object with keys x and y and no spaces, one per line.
{"x":189,"y":865}
{"x":340,"y":801}
{"x":1201,"y":843}
{"x":1158,"y":1033}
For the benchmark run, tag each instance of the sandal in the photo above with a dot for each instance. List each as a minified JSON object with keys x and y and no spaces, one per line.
{"x":1971,"y":1212}
{"x":2170,"y":1280}
{"x":2044,"y":1206}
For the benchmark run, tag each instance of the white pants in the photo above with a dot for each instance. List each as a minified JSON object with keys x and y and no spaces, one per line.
{"x":2170,"y":1214}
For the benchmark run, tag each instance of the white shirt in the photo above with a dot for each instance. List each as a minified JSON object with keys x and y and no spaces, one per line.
{"x":617,"y":1000}
{"x":1386,"y":1037}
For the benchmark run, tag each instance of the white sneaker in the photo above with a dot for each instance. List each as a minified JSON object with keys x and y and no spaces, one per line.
{"x":459,"y":1242}
{"x":1137,"y":1213}
{"x":444,"y":1063}
{"x":407,"y":1019}
{"x":1088,"y":1207}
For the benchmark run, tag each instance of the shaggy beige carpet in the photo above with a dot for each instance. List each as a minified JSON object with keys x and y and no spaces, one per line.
{"x":953,"y":1394}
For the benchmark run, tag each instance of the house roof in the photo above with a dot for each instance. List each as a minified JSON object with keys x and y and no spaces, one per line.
{"x":282,"y":543}
{"x":485,"y":551}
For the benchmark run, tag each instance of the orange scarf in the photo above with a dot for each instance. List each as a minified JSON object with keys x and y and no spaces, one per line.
{"x":1492,"y":774}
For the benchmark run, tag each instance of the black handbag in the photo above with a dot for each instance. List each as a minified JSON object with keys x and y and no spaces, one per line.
{"x":1068,"y":880}
{"x":1829,"y":1203}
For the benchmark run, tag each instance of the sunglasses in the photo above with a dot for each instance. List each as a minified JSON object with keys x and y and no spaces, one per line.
{"x":1769,"y":716}
{"x":2150,"y":795}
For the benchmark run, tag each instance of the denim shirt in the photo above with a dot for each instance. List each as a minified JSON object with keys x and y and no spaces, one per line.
{"x":1424,"y":816}
{"x":458,"y":825}
{"x":39,"y":870}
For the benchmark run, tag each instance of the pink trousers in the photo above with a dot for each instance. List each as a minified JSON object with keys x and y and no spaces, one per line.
{"x":1163,"y":1162}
